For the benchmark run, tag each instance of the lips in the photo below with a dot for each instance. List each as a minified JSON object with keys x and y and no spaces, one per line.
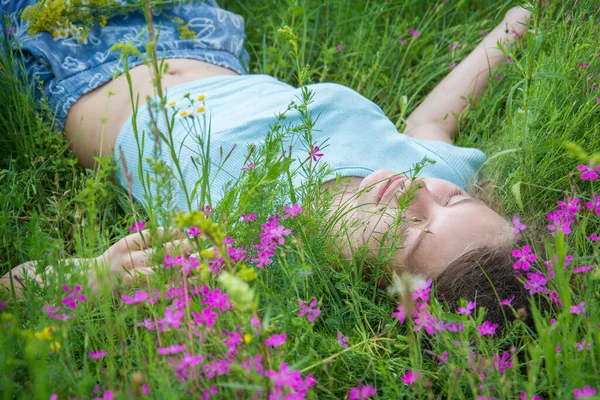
{"x":385,"y":187}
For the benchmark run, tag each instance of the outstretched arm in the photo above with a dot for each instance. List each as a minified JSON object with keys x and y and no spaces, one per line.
{"x":124,"y":260}
{"x":434,"y":118}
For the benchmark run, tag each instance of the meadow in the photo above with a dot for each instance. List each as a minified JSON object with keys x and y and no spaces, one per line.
{"x":293,"y":319}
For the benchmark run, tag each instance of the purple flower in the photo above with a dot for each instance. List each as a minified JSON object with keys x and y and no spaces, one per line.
{"x":3,"y":305}
{"x":172,"y":318}
{"x":400,"y":314}
{"x":570,"y":207}
{"x":172,"y":349}
{"x":194,"y":231}
{"x":583,"y":269}
{"x":594,"y":238}
{"x":96,"y":355}
{"x":414,"y":33}
{"x":291,"y":212}
{"x":314,"y":153}
{"x":468,"y":310}
{"x":559,"y":222}
{"x":402,"y":41}
{"x":138,"y":297}
{"x":589,"y":172}
{"x":524,"y":258}
{"x":73,"y":296}
{"x":501,"y":362}
{"x":452,"y":64}
{"x":342,"y":340}
{"x":310,"y":311}
{"x":145,"y":388}
{"x":584,"y":65}
{"x":138,"y":226}
{"x":518,"y":225}
{"x":453,"y":46}
{"x":410,"y":377}
{"x":250,"y":166}
{"x":276,"y":340}
{"x":507,"y":302}
{"x":361,"y":392}
{"x":584,"y":393}
{"x":582,"y":345}
{"x":487,"y":328}
{"x":249,"y":218}
{"x":508,"y":59}
{"x":578,"y":309}
{"x":339,"y":47}
{"x":536,"y":282}
{"x":594,"y":205}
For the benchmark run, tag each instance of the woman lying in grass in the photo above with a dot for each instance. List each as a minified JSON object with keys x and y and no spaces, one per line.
{"x":447,"y":235}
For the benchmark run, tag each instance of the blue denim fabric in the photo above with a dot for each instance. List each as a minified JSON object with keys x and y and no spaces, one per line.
{"x":69,"y":69}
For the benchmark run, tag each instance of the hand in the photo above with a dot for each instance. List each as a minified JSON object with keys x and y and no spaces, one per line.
{"x":131,"y":256}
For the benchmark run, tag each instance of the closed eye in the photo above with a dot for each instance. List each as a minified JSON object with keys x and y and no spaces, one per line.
{"x":456,"y":192}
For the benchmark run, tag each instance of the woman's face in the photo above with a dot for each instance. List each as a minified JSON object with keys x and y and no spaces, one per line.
{"x":440,"y":221}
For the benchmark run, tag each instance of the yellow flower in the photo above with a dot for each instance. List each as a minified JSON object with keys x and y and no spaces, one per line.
{"x":54,"y":347}
{"x":247,"y":338}
{"x":171,"y":104}
{"x":46,"y":333}
{"x":200,"y":109}
{"x":184,"y":113}
{"x":201,"y":97}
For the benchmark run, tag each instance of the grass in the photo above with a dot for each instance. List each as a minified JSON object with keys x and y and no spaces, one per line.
{"x":51,"y":207}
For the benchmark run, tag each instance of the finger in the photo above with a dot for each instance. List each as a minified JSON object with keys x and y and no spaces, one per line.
{"x":144,"y":239}
{"x":179,"y":247}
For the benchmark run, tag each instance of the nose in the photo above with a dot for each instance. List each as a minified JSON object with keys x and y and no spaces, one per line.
{"x":424,"y":199}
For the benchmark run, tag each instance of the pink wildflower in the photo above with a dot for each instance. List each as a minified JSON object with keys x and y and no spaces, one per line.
{"x":559,"y":221}
{"x":524,"y":258}
{"x":172,"y":318}
{"x":468,"y":310}
{"x":52,"y":313}
{"x":194,"y":231}
{"x":583,"y":269}
{"x":414,"y":33}
{"x":422,"y":293}
{"x":361,"y":392}
{"x":170,"y":261}
{"x":292,"y":211}
{"x":594,"y":205}
{"x":411,"y":377}
{"x":594,"y":238}
{"x":584,"y":393}
{"x":453,"y":46}
{"x":501,"y":362}
{"x":249,"y":218}
{"x":570,"y":207}
{"x":508,"y":59}
{"x":535,"y":283}
{"x":487,"y":328}
{"x":138,"y":226}
{"x":53,"y":397}
{"x":518,"y":225}
{"x":309,"y":310}
{"x":138,"y":297}
{"x":342,"y":340}
{"x":400,"y":314}
{"x":452,"y":65}
{"x":314,"y":153}
{"x":402,"y":41}
{"x":273,"y":232}
{"x":96,"y":355}
{"x":145,"y":389}
{"x":249,"y":167}
{"x":582,"y":345}
{"x":172,"y":349}
{"x":339,"y":48}
{"x":507,"y":302}
{"x":578,"y":309}
{"x":276,"y":340}
{"x":584,"y":65}
{"x":3,"y":304}
{"x":73,"y":296}
{"x":589,"y":172}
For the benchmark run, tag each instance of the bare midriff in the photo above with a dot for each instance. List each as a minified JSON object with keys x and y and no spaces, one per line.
{"x":111,"y":104}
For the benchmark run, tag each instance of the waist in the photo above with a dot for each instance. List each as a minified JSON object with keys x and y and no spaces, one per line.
{"x":111,"y":103}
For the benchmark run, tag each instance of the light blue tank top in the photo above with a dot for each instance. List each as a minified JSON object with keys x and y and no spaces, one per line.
{"x":355,"y":136}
